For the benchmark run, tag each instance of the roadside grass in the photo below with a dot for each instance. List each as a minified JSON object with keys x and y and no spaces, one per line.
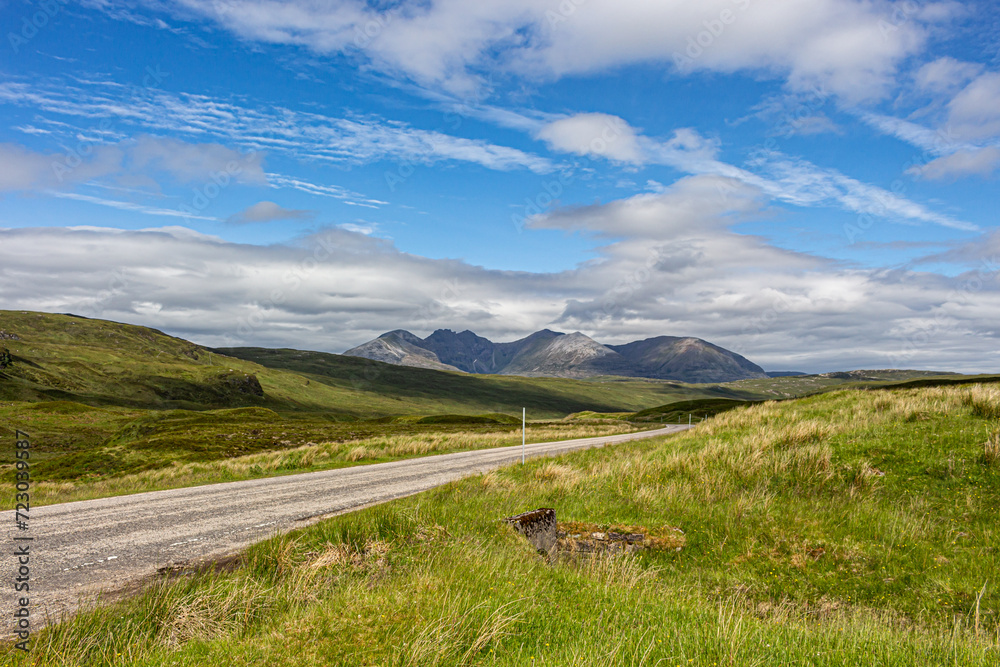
{"x":855,"y":527}
{"x":230,"y":445}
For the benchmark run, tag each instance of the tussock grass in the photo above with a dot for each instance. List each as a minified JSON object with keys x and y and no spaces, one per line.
{"x":857,"y":527}
{"x":615,"y":572}
{"x":991,"y":450}
{"x":983,"y":401}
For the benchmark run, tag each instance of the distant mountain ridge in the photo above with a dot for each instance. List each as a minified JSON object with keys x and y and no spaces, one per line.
{"x":548,"y":353}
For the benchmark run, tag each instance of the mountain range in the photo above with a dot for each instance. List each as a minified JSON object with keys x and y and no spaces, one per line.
{"x":553,"y":354}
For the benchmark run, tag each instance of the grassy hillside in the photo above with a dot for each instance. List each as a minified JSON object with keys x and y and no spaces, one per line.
{"x":848,"y":528}
{"x":100,"y":363}
{"x":488,"y":393}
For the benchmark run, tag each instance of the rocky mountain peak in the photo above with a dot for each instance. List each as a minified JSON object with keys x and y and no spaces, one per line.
{"x":556,"y":354}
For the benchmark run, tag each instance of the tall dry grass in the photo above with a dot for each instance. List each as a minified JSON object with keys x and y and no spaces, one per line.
{"x":991,"y":450}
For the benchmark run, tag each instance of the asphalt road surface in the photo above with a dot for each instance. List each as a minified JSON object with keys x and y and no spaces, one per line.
{"x":114,"y":545}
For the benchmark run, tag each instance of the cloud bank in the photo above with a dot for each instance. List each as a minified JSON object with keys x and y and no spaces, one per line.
{"x":679,"y":271}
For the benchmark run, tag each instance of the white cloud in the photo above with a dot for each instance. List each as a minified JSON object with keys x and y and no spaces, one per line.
{"x":974,"y":113}
{"x":802,"y":183}
{"x":968,"y":134}
{"x":679,"y":271}
{"x":302,"y":135}
{"x":935,"y":142}
{"x":671,"y":212}
{"x":24,"y":169}
{"x":367,"y":229}
{"x":268,"y":211}
{"x":851,"y":47}
{"x":945,"y":75}
{"x":810,"y":125}
{"x":128,"y":206}
{"x":188,"y":162}
{"x":594,"y":134}
{"x":788,"y":179}
{"x":980,"y":162}
{"x":334,"y":191}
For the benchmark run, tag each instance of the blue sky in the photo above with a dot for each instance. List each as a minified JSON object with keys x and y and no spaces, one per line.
{"x":811,"y":184}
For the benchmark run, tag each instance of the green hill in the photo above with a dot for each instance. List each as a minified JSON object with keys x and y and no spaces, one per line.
{"x":441,"y":391}
{"x":101,"y":363}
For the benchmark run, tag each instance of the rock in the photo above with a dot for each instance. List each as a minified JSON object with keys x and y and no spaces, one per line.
{"x":538,"y":526}
{"x":626,"y":537}
{"x":241,"y":383}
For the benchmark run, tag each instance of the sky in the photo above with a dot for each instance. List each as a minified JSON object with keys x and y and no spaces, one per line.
{"x":812,"y":184}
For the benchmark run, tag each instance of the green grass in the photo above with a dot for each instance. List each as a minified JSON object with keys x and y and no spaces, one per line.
{"x":853,"y":527}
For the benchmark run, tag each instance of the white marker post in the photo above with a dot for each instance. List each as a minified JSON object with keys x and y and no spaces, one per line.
{"x":524,"y":412}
